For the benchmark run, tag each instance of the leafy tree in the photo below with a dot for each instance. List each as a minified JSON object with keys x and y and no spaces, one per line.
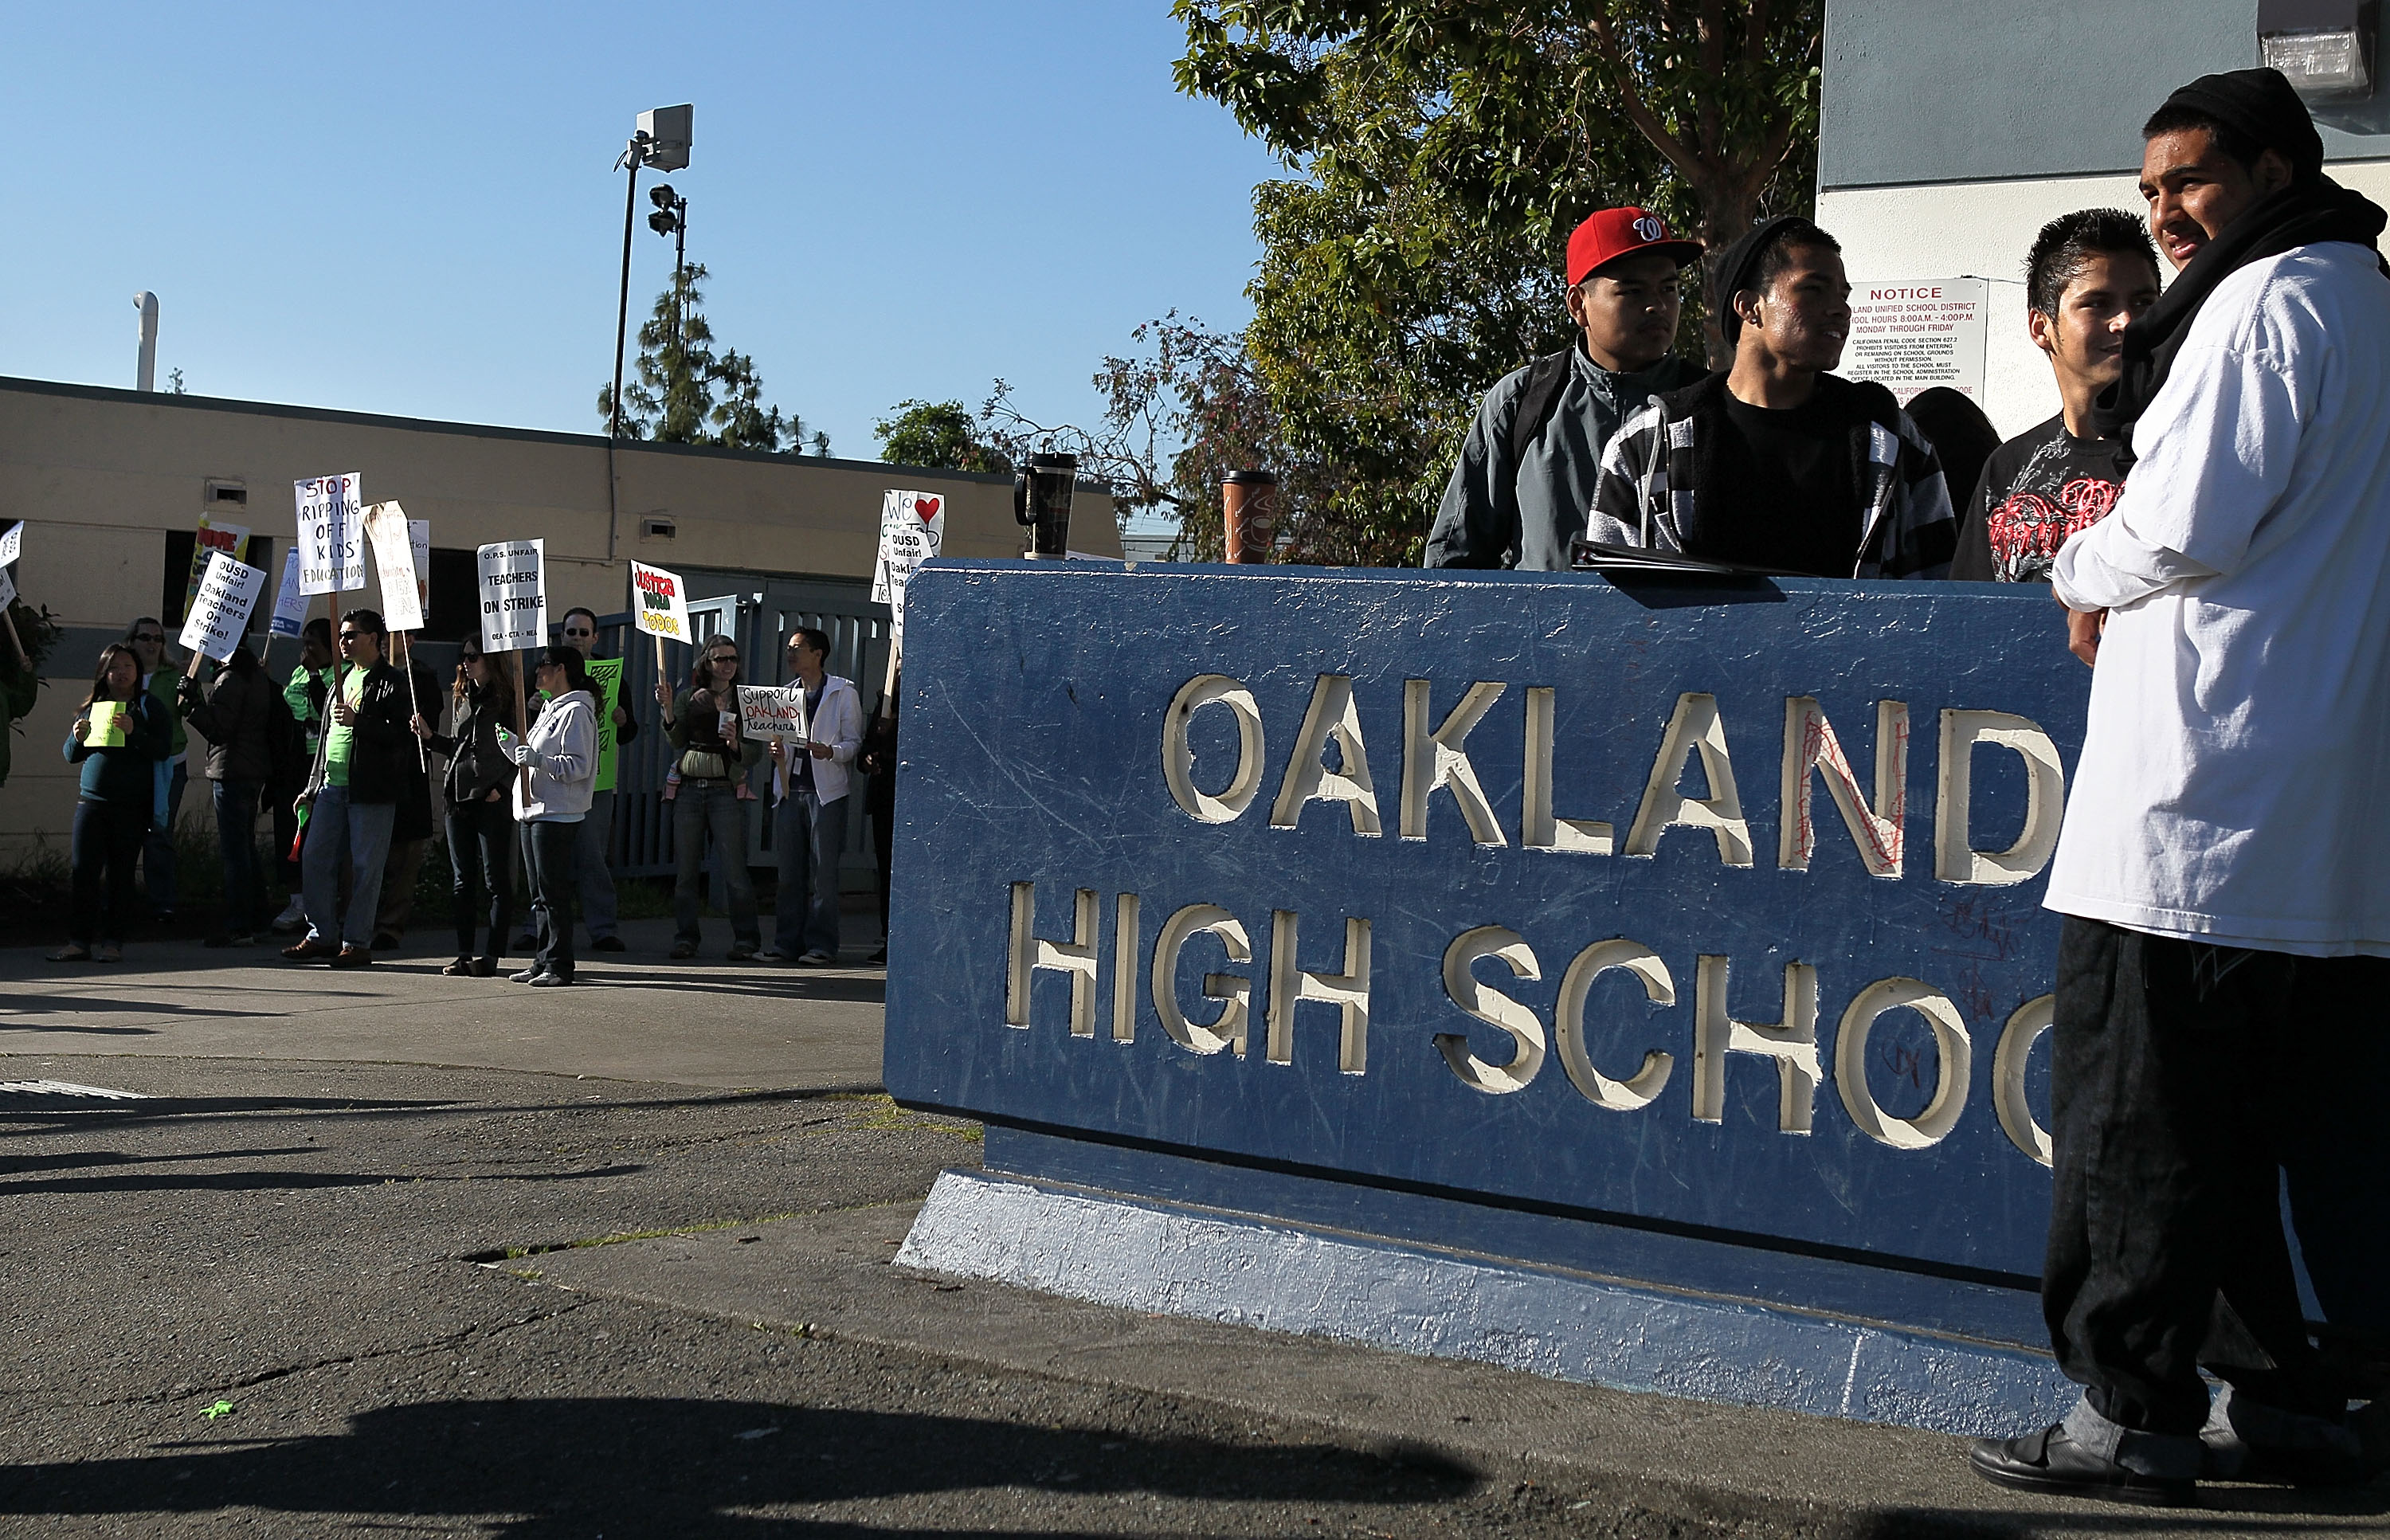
{"x":1441,"y":152}
{"x":686,"y":393}
{"x":938,"y":436}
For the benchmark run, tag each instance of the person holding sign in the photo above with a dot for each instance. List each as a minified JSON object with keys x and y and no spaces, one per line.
{"x":352,"y":813}
{"x":235,"y":711}
{"x":552,"y":800}
{"x":594,"y":836}
{"x":148,"y":637}
{"x":304,"y":697}
{"x":713,"y":761}
{"x":481,"y":817}
{"x":20,"y":681}
{"x":118,"y":739}
{"x":810,"y":777}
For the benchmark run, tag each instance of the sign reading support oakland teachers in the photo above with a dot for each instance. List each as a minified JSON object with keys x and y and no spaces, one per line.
{"x":1912,"y":336}
{"x":1715,"y":908}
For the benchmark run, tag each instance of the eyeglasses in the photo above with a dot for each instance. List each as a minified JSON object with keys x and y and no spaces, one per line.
{"x":151,"y":636}
{"x":354,"y":635}
{"x":581,"y":631}
{"x":724,"y":658}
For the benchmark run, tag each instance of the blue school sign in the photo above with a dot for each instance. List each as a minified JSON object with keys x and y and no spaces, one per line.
{"x":1661,"y":940}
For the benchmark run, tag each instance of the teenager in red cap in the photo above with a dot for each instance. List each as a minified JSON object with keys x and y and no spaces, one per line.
{"x":1526,"y":474}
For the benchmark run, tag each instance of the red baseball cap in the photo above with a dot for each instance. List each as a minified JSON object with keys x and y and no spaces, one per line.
{"x":1615,"y":232}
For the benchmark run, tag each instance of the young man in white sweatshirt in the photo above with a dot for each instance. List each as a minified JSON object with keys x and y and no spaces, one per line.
{"x":2223,"y":1007}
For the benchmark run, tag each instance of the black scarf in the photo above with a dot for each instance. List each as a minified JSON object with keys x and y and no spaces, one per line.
{"x":2301,"y":215}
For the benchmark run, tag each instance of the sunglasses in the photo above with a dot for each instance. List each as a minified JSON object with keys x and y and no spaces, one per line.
{"x":724,"y":658}
{"x":151,"y":636}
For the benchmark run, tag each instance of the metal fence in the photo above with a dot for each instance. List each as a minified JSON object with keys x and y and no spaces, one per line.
{"x":759,"y":621}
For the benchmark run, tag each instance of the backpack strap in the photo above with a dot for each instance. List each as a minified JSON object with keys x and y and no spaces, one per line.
{"x":1537,"y":398}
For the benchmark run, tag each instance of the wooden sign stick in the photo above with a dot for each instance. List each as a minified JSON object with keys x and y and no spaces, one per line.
{"x":414,"y":704}
{"x":521,"y":731}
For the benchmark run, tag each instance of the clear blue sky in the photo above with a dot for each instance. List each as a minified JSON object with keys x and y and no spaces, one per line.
{"x":410,"y":209}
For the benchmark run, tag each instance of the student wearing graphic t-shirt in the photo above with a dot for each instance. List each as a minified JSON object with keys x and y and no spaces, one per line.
{"x":2090,"y":274}
{"x":1776,"y":463}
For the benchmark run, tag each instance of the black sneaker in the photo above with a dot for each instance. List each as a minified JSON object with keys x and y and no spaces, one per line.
{"x":607,"y":943}
{"x":2051,"y":1461}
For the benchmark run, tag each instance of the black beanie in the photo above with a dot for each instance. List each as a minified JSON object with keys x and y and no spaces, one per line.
{"x":2261,"y":106}
{"x":1734,"y":270}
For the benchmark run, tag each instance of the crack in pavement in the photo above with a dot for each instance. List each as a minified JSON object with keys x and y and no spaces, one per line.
{"x":478,"y":1330}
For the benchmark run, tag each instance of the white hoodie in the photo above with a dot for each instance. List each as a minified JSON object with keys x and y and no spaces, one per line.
{"x":562,"y":755}
{"x":2235,"y":780}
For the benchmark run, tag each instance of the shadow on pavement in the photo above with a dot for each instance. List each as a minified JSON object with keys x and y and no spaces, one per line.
{"x":292,"y":1181}
{"x":793,"y":986}
{"x":655,"y":1466}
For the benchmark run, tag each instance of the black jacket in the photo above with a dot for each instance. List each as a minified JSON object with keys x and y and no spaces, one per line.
{"x":235,"y":713}
{"x":476,"y":769}
{"x":381,"y":758}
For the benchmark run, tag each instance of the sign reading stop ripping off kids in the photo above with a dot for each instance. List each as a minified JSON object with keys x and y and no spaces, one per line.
{"x":514,"y":595}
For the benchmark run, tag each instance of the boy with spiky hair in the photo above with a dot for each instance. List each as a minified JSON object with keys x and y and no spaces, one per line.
{"x":2088,"y":275}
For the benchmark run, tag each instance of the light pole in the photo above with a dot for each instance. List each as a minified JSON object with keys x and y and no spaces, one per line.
{"x":661,"y":140}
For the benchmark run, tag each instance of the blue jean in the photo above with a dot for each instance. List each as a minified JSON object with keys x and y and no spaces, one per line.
{"x":237,"y":841}
{"x":338,"y":828}
{"x":551,"y":894}
{"x":107,"y":836}
{"x":480,"y":835}
{"x":810,"y":834}
{"x":707,"y":809}
{"x":592,"y":838}
{"x":158,"y":846}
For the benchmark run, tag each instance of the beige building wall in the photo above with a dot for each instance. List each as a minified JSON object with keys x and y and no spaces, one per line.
{"x":101,"y":477}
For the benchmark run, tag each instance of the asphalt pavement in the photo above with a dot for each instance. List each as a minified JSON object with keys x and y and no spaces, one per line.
{"x":296,"y":1252}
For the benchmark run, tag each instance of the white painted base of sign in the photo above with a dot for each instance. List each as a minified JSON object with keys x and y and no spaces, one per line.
{"x":1140,"y":1254}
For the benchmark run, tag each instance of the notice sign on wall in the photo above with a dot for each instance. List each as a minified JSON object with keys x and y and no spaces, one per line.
{"x":1914,"y":335}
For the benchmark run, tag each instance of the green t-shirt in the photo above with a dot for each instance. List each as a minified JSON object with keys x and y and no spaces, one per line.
{"x":340,"y":739}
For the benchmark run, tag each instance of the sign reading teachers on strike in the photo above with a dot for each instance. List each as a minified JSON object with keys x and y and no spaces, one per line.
{"x":514,"y":595}
{"x":331,"y":544}
{"x":660,"y":603}
{"x":219,"y":616}
{"x":1710,"y":907}
{"x":912,"y":526}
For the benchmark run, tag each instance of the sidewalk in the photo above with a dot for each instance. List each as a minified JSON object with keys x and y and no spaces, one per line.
{"x":632,"y":1015}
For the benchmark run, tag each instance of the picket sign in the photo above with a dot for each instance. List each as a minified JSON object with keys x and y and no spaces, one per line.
{"x":769,"y":712}
{"x":12,"y":544}
{"x":8,"y":590}
{"x":393,"y":554}
{"x":659,"y":608}
{"x":331,"y":548}
{"x":514,"y":595}
{"x":912,"y":528}
{"x":219,"y":618}
{"x":289,"y":604}
{"x":231,"y":539}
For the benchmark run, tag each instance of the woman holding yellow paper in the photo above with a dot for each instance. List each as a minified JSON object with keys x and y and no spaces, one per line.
{"x":119,"y":737}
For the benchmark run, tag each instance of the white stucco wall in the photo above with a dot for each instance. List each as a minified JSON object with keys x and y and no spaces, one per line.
{"x":1983,"y":229}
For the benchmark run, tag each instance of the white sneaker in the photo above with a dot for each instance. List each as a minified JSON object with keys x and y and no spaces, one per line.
{"x":290,"y":919}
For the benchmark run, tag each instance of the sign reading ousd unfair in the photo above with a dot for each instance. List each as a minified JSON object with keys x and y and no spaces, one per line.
{"x":1698,"y":911}
{"x":912,"y":527}
{"x":514,"y":595}
{"x":219,"y":616}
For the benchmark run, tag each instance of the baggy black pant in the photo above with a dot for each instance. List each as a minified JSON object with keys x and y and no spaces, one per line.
{"x":2185,"y":1079}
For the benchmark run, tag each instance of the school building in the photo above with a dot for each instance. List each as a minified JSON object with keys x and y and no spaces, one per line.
{"x":112,"y":485}
{"x":1950,"y":134}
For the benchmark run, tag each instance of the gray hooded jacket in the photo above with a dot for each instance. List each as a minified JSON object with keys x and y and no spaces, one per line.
{"x":1497,"y":514}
